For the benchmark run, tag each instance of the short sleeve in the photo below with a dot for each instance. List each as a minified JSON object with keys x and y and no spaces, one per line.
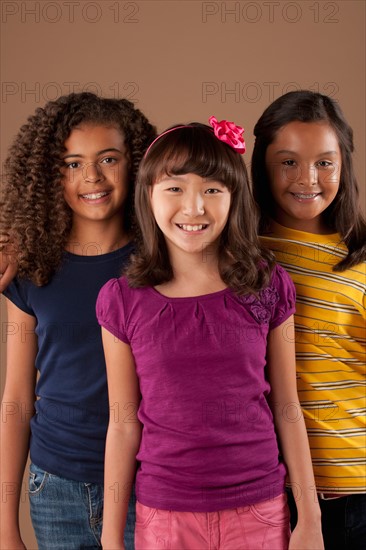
{"x":18,"y":293}
{"x":282,"y":283}
{"x":110,"y":309}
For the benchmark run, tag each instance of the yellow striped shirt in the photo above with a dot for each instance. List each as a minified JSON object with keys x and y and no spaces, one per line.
{"x":330,"y":354}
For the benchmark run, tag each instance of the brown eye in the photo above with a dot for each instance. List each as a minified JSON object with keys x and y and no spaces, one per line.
{"x":109,"y":160}
{"x":72,"y":165}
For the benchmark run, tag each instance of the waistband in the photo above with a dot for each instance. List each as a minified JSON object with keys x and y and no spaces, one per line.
{"x":332,"y":496}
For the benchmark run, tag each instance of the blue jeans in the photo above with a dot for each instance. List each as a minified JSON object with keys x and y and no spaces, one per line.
{"x":343,"y":521}
{"x":67,"y":514}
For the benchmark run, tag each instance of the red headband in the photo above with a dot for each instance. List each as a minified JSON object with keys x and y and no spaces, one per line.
{"x":225,"y":131}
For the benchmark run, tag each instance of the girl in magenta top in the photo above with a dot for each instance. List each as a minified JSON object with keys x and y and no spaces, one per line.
{"x":198,"y":338}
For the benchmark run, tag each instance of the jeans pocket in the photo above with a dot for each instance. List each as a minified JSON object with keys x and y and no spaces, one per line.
{"x":37,"y":479}
{"x":144,"y":515}
{"x":153,"y":528}
{"x":273,"y":512}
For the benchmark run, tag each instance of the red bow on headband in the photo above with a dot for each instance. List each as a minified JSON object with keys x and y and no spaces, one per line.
{"x":229,"y":133}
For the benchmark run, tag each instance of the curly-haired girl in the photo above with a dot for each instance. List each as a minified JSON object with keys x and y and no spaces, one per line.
{"x":66,"y":208}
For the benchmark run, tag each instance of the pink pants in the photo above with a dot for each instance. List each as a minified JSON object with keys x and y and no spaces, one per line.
{"x":261,"y":526}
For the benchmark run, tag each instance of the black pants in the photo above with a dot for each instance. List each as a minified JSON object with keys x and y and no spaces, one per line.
{"x":343,"y":521}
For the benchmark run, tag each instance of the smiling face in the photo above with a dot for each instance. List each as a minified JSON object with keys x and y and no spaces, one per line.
{"x":190,"y":211}
{"x":304,"y":167}
{"x":95,"y":173}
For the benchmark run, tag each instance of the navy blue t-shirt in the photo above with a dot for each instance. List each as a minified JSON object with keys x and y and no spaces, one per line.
{"x":69,"y":428}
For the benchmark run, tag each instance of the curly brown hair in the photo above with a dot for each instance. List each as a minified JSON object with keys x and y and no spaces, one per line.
{"x":243,"y":265}
{"x":34,"y":213}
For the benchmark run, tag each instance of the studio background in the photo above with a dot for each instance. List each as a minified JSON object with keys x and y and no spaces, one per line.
{"x":179,"y":61}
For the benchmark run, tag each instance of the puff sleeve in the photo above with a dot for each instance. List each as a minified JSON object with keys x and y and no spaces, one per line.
{"x":283,"y":288}
{"x":110,"y":309}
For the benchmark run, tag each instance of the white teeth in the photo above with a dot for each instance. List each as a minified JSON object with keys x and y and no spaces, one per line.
{"x":94,"y":196}
{"x":304,"y":196}
{"x":192,"y":227}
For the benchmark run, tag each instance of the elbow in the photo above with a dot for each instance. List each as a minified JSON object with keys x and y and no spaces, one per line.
{"x":127,"y":433}
{"x":17,"y":411}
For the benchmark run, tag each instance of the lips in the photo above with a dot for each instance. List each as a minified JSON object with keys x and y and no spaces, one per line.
{"x":95,"y":196}
{"x":305,"y":196}
{"x":192,"y":228}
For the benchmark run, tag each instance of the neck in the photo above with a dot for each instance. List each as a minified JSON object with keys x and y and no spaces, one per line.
{"x":93,"y":239}
{"x":194,"y":275}
{"x":206,"y":261}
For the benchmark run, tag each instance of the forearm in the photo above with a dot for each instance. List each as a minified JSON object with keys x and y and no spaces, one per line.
{"x":120,"y":468}
{"x":16,"y":412}
{"x":293,"y":440}
{"x":123,"y":439}
{"x":14,"y":433}
{"x":291,"y":429}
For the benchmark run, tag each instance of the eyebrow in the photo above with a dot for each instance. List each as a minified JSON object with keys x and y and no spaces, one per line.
{"x":178,"y":177}
{"x":288,"y":152}
{"x":172,"y":177}
{"x":111,"y":149}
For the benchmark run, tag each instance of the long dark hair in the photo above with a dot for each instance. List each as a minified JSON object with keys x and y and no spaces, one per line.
{"x":34,"y":213}
{"x":343,"y":215}
{"x":194,"y":148}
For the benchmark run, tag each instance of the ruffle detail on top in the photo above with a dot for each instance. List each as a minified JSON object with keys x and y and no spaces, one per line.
{"x":261,"y":308}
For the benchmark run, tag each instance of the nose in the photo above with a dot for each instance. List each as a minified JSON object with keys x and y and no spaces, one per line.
{"x":92,"y":173}
{"x":308,"y":175}
{"x":193,"y":205}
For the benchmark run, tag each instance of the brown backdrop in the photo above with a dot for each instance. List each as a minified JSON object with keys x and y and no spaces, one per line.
{"x":180,"y":61}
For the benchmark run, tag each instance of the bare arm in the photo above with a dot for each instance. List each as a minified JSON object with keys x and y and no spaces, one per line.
{"x":17,"y":408}
{"x":123,"y":438}
{"x":8,"y":264}
{"x":292,"y":434}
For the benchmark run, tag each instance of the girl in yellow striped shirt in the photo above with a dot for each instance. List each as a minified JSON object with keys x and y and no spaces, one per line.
{"x":306,"y":189}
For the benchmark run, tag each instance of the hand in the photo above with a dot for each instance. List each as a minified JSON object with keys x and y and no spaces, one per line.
{"x":12,"y":543}
{"x":306,"y":538}
{"x":8,"y":264}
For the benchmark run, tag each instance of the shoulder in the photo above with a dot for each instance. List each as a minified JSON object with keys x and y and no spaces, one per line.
{"x":112,"y":291}
{"x":274,"y":303}
{"x":280,"y":278}
{"x":281,"y":293}
{"x":115,"y":302}
{"x":357,"y":272}
{"x":117,"y":296}
{"x":110,"y":308}
{"x":18,"y":292}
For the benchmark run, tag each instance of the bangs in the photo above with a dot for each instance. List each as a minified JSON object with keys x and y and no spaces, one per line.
{"x":193,"y":150}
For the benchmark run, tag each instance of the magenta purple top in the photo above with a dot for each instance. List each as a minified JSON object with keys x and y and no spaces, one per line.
{"x":208,"y":439}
